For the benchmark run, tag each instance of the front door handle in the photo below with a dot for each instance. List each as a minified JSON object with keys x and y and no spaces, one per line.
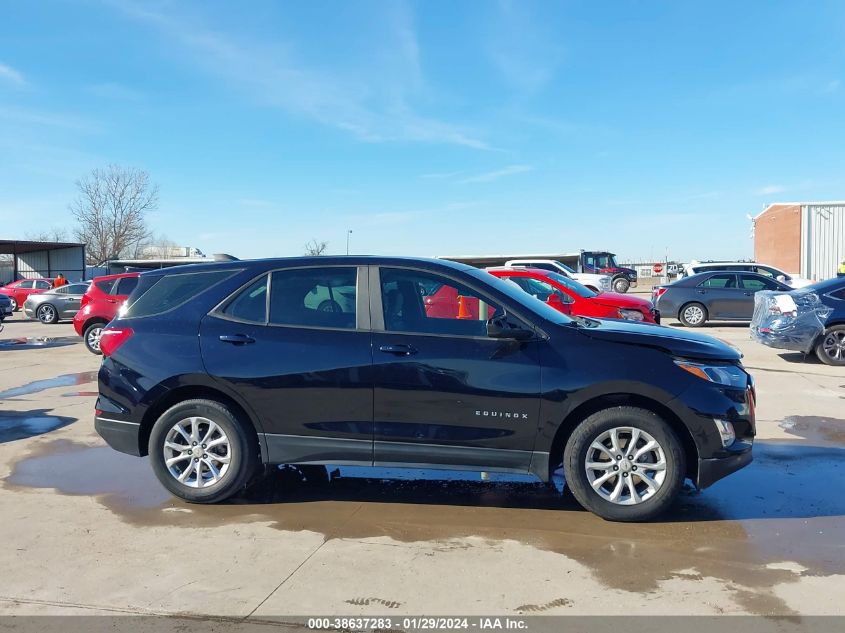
{"x":398,"y":350}
{"x":236,"y":339}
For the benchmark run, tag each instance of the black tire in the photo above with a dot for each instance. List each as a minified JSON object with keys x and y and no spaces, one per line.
{"x":621,"y":285}
{"x":91,"y":337}
{"x":829,"y":349}
{"x":687,"y":312}
{"x":242,"y":452}
{"x":330,"y":306}
{"x":41,"y":313}
{"x":15,"y":305}
{"x":578,"y":449}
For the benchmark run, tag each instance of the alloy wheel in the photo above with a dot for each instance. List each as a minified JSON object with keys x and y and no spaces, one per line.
{"x":14,"y":304}
{"x":46,"y":314}
{"x":834,"y":345}
{"x":197,"y":452}
{"x":94,"y":338}
{"x":625,"y":465}
{"x":693,"y":315}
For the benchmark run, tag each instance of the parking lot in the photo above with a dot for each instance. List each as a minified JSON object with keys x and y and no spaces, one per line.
{"x":767,"y":540}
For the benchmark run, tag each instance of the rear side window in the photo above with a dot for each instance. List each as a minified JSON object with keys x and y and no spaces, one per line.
{"x":719,"y":281}
{"x":755,"y":284}
{"x":105,"y":286}
{"x":126,"y":285}
{"x":250,"y":304}
{"x":314,"y":297}
{"x":171,"y":291}
{"x":42,"y":285}
{"x":25,"y":284}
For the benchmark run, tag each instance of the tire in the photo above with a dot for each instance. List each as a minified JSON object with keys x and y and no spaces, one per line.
{"x":693,"y":314}
{"x":91,"y":336}
{"x":14,"y":304}
{"x":831,"y":346}
{"x":597,"y":497}
{"x":47,"y":314}
{"x":621,"y":285}
{"x":235,"y":460}
{"x":330,"y":306}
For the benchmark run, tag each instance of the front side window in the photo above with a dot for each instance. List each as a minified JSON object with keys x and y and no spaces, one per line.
{"x":314,"y":297}
{"x":754,"y":283}
{"x":105,"y":285}
{"x":452,"y":309}
{"x":42,"y":285}
{"x":541,"y":290}
{"x":720,"y":281}
{"x":25,"y":284}
{"x":577,"y":287}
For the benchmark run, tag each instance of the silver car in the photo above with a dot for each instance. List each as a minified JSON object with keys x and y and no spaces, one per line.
{"x":55,"y":304}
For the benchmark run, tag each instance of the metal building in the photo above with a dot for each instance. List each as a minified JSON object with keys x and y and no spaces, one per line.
{"x":807,"y":238}
{"x":27,"y":259}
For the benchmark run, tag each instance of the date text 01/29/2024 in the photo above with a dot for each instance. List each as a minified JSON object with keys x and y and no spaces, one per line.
{"x":418,"y":623}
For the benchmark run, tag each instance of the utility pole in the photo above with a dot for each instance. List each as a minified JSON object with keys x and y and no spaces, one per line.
{"x":348,"y":234}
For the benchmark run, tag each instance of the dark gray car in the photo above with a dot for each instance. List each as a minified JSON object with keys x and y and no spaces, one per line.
{"x":713,"y":296}
{"x":55,"y":304}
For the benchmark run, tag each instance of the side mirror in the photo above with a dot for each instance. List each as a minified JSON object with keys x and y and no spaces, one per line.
{"x":500,"y":326}
{"x":781,"y":278}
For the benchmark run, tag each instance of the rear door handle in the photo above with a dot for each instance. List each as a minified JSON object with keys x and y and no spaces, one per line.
{"x":236,"y":339}
{"x":398,"y":350}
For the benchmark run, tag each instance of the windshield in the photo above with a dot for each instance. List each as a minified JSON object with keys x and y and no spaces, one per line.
{"x":516,"y":294}
{"x":570,"y":284}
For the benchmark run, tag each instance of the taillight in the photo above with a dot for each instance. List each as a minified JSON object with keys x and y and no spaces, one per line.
{"x":657,"y":292}
{"x":112,"y":338}
{"x":85,"y":299}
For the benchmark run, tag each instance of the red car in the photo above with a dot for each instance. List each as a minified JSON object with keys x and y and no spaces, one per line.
{"x":19,"y":290}
{"x":570,"y":297}
{"x":100,"y":305}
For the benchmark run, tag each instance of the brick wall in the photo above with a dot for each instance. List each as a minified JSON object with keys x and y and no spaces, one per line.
{"x":777,"y":237}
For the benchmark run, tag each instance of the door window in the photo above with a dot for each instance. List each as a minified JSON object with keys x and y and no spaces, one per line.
{"x":126,"y":285}
{"x":542,"y":290}
{"x":42,"y":285}
{"x":425,"y":303}
{"x":105,"y":285}
{"x":250,"y":304}
{"x":719,"y":281}
{"x":755,"y":283}
{"x":25,"y":284}
{"x":61,"y":290}
{"x":314,"y":297}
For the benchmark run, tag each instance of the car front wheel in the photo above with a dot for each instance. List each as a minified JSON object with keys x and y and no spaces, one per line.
{"x":693,"y":315}
{"x":47,"y":314}
{"x":201,"y":452}
{"x":624,"y":464}
{"x":621,"y":285}
{"x":831,"y":346}
{"x":14,"y":304}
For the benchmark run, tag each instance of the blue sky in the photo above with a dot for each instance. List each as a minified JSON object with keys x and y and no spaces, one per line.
{"x":428,"y":128}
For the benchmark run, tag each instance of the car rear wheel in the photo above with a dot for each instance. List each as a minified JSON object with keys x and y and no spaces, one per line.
{"x":693,"y":315}
{"x":201,"y":452}
{"x":92,"y":335}
{"x":831,"y":346}
{"x":624,"y":464}
{"x":46,"y":313}
{"x":14,"y":303}
{"x":621,"y":285}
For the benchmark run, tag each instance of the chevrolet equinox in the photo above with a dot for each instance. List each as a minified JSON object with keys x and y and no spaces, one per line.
{"x":217,"y":370}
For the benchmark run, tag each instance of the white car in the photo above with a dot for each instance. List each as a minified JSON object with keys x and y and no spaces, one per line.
{"x":595,"y":282}
{"x":794,"y":281}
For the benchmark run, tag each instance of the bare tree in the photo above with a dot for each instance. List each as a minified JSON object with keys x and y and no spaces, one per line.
{"x":53,"y":234}
{"x":316,"y":248}
{"x":112,"y":210}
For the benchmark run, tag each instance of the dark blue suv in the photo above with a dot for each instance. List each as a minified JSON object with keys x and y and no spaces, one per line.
{"x":215,"y":370}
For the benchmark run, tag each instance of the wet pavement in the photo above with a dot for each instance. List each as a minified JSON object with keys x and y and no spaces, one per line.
{"x":758,"y":541}
{"x":40,"y":342}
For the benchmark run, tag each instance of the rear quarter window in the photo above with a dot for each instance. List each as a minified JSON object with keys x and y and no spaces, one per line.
{"x":105,"y":285}
{"x":172,"y":291}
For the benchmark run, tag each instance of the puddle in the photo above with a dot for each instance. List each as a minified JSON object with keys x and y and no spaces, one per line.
{"x":816,"y":429}
{"x":38,"y":341}
{"x":741,"y":530}
{"x":18,"y":425}
{"x":65,"y":380}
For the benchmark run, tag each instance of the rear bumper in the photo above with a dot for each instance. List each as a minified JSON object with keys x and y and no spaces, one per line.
{"x":29,"y":311}
{"x":121,"y":436}
{"x":712,"y":470}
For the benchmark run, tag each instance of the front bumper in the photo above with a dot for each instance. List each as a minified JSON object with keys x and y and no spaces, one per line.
{"x":120,"y":435}
{"x":712,"y":470}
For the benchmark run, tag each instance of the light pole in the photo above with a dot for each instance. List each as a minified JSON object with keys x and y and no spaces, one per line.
{"x":348,"y":234}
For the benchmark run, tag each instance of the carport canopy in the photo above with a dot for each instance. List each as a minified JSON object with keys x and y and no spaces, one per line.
{"x":41,"y":259}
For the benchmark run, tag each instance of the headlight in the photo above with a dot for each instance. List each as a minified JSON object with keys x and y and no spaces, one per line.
{"x":631,"y":315}
{"x":728,"y":375}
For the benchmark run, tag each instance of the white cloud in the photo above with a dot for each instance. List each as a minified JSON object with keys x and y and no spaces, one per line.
{"x":373,"y":103}
{"x":489,"y":176}
{"x":11,"y":75}
{"x":769,"y":190}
